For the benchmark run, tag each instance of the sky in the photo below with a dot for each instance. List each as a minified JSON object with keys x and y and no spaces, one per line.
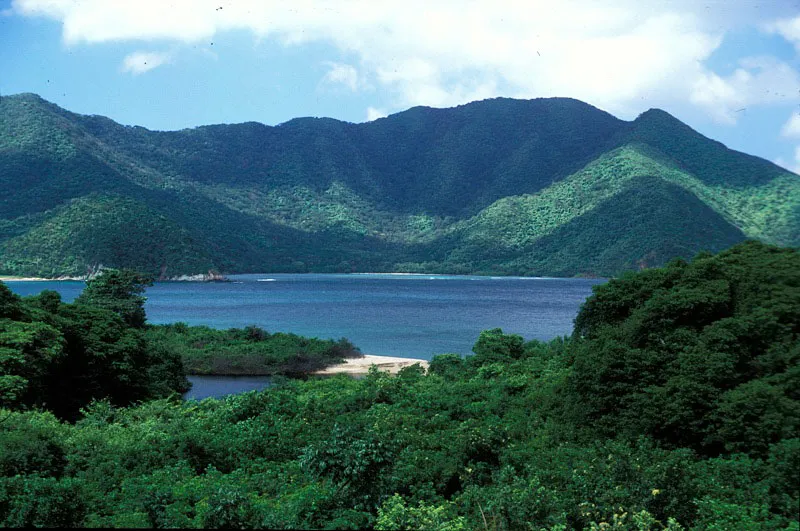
{"x":728,"y":68}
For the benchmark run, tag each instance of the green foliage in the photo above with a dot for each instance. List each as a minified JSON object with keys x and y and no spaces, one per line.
{"x":539,"y":187}
{"x":494,"y":346}
{"x":395,"y":514}
{"x":119,"y":291}
{"x":96,"y":230}
{"x":27,"y":353}
{"x":9,"y":303}
{"x":672,"y":406}
{"x":31,"y":445}
{"x":702,"y":355}
{"x":62,"y":356}
{"x":352,"y":462}
{"x":446,"y":365}
{"x":33,"y":501}
{"x":248,"y":351}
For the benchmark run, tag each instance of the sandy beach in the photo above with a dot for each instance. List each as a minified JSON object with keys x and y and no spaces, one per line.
{"x":359,"y":366}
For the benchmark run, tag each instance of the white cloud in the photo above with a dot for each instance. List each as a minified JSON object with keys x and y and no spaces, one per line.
{"x":793,"y":166}
{"x":140,"y":62}
{"x":374,"y":114}
{"x":758,"y":81}
{"x":792,"y":127}
{"x":796,"y":167}
{"x":788,"y":28}
{"x":613,"y":55}
{"x":342,"y":74}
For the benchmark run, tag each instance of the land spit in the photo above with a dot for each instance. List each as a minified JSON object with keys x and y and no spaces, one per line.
{"x":360,"y":366}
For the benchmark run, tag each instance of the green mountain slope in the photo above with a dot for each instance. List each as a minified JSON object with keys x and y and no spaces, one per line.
{"x":546,"y":187}
{"x":648,"y":223}
{"x":759,"y":197}
{"x":438,"y":161}
{"x":104,"y":230}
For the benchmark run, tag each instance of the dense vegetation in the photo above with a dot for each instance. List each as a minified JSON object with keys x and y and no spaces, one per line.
{"x":486,"y":187}
{"x":62,"y":356}
{"x":674,"y":404}
{"x":249,"y":351}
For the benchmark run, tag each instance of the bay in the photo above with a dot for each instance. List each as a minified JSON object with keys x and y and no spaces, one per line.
{"x":415,"y":316}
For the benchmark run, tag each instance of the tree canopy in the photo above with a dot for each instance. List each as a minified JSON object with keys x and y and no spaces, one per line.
{"x":673,"y":405}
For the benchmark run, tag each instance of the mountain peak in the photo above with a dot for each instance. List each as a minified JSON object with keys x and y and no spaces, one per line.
{"x":656,"y":115}
{"x":23,"y":96}
{"x":21,"y":101}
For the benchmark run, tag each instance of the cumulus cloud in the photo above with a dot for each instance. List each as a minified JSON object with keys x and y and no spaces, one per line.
{"x":374,"y":114}
{"x":788,"y":28}
{"x":793,"y":166}
{"x":452,"y":51}
{"x":342,"y":74}
{"x":757,"y":81}
{"x":796,"y":167}
{"x":140,"y":62}
{"x":791,"y":128}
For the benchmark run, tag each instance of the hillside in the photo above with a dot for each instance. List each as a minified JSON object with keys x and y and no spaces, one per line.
{"x":535,"y":187}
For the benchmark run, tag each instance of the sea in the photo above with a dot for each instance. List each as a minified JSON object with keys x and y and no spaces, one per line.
{"x":413,"y":316}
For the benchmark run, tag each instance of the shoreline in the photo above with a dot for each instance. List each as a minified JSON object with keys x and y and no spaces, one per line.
{"x":10,"y":278}
{"x":360,"y":366}
{"x":226,"y":278}
{"x":351,"y":366}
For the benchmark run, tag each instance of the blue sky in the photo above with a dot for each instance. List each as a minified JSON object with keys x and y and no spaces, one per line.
{"x":729,"y":69}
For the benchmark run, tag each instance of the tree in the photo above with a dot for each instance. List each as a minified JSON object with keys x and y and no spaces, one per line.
{"x":701,"y":355}
{"x":28,"y":353}
{"x":118,"y":290}
{"x":62,"y":356}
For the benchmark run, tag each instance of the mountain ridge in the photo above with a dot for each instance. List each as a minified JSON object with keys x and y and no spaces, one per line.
{"x":470,"y":189}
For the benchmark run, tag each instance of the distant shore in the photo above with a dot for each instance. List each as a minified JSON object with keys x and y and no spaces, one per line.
{"x":226,"y":278}
{"x":360,"y":366}
{"x":182,"y":278}
{"x":9,"y":278}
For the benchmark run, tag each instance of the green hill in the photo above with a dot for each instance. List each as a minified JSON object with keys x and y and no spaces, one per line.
{"x":545,"y":187}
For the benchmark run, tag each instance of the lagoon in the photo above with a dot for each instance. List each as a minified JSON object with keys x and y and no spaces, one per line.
{"x":415,"y":316}
{"x":220,"y":386}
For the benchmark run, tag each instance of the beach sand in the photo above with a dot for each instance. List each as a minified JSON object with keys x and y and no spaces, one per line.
{"x":360,"y":366}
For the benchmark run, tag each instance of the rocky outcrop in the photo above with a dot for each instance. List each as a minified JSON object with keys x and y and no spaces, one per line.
{"x":211,"y":276}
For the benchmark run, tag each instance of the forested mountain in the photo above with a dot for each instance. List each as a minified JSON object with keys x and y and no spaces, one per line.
{"x":534,"y":187}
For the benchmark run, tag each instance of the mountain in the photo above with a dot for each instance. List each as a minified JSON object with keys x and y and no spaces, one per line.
{"x":535,"y":187}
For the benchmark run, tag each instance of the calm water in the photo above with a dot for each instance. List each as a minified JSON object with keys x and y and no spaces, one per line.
{"x":414,"y":316}
{"x":219,"y":386}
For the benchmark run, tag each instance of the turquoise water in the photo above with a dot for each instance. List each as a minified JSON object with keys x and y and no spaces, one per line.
{"x":414,"y":316}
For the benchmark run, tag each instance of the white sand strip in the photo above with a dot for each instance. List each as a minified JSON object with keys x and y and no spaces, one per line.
{"x":359,"y":366}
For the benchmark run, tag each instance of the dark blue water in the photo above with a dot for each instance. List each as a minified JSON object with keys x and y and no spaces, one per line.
{"x":413,"y":316}
{"x":219,"y":386}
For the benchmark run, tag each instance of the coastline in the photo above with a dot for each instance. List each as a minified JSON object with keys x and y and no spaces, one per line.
{"x":203,"y":277}
{"x":360,"y":366}
{"x":10,"y":278}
